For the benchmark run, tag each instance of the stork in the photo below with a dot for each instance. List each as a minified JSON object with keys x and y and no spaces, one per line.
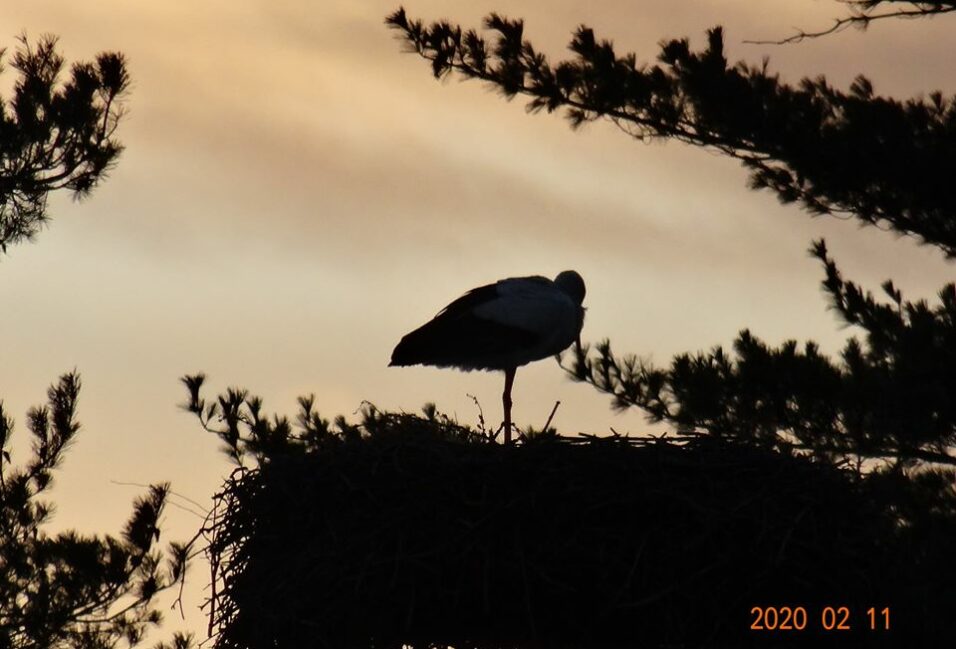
{"x":500,"y":326}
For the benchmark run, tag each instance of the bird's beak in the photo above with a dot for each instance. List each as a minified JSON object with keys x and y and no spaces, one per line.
{"x":577,"y":345}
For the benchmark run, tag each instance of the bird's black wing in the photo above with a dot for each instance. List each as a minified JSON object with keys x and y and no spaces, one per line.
{"x":456,"y":337}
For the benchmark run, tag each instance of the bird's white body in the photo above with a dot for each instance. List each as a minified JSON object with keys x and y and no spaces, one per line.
{"x":537,"y":305}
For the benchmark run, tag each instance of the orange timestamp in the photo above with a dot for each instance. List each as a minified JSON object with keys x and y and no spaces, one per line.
{"x":828,"y":618}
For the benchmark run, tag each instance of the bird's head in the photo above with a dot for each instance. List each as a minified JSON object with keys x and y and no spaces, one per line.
{"x":571,"y":283}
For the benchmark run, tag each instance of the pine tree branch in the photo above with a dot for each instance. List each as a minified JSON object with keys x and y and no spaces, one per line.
{"x":889,"y":396}
{"x":55,"y":135}
{"x":71,"y":589}
{"x":883,"y":161}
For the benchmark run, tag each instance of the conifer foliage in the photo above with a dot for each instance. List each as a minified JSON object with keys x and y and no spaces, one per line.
{"x":71,"y":589}
{"x":55,"y":134}
{"x":889,"y":397}
{"x":877,"y":159}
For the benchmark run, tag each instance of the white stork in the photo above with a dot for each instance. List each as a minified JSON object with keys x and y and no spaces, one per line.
{"x":501,"y":326}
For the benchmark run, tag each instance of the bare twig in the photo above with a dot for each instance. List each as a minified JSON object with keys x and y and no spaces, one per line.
{"x":862,"y":19}
{"x":202,"y":513}
{"x":551,"y":416}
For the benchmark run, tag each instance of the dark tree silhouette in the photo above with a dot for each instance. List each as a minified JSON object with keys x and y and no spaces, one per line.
{"x":70,"y":589}
{"x":887,"y":398}
{"x":877,"y":159}
{"x":55,"y":134}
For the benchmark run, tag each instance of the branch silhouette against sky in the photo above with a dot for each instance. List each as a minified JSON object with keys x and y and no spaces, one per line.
{"x":857,"y":154}
{"x":864,"y":12}
{"x":55,"y":133}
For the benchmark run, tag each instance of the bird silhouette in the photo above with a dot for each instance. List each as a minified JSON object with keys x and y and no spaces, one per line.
{"x":500,"y":326}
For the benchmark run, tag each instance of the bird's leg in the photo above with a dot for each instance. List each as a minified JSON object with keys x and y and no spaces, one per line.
{"x":506,"y":402}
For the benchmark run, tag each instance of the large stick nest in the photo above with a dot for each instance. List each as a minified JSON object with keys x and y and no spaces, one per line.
{"x":423,"y":534}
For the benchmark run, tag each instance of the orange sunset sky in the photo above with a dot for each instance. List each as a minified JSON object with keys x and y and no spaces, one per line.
{"x":296,"y":193}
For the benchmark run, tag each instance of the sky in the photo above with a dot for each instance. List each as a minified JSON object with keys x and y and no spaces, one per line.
{"x":296,"y":194}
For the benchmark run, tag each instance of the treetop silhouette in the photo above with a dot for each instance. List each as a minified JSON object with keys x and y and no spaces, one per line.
{"x":70,"y":589}
{"x":55,"y":134}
